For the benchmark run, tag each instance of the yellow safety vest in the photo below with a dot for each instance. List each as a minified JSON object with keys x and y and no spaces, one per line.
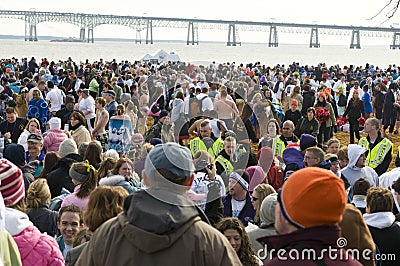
{"x":226,"y":164}
{"x":198,"y":145}
{"x":377,"y":154}
{"x":277,"y":146}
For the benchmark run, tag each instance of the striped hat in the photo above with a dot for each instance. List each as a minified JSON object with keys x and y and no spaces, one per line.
{"x":12,"y":186}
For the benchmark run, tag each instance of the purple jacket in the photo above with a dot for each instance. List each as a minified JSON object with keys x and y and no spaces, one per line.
{"x":247,"y":213}
{"x":321,"y":239}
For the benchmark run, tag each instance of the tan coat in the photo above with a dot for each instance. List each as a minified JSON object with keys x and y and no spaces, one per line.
{"x":356,"y":232}
{"x":80,"y":135}
{"x":117,"y":242}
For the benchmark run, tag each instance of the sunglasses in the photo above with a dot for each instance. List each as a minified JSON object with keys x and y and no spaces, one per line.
{"x":254,"y":198}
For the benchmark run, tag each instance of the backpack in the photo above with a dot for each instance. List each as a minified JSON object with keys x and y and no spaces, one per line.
{"x":196,"y":106}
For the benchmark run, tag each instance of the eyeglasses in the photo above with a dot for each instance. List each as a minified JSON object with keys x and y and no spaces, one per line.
{"x":254,"y":198}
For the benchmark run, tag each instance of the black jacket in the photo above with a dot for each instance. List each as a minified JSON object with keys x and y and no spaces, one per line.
{"x":44,"y":219}
{"x":308,"y":101}
{"x":59,"y":178}
{"x":387,"y":241}
{"x":305,"y":126}
{"x":354,"y":109}
{"x":292,"y":116}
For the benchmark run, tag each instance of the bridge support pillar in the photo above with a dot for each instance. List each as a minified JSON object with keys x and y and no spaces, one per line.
{"x":314,"y":38}
{"x":32,"y":33}
{"x":355,"y":40}
{"x":138,"y":37}
{"x":192,"y":32}
{"x":232,"y":32}
{"x":396,"y":41}
{"x":273,"y":37}
{"x":82,"y":33}
{"x":90,"y":37}
{"x":149,"y":31}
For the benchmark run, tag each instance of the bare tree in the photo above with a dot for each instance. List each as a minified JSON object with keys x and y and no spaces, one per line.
{"x":388,"y":10}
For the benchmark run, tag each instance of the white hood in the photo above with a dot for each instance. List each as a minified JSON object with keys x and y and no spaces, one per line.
{"x":354,"y":152}
{"x":16,"y":221}
{"x":379,"y":219}
{"x":111,"y":180}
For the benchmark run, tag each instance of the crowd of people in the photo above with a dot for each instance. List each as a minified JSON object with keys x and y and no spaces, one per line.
{"x":112,"y":162}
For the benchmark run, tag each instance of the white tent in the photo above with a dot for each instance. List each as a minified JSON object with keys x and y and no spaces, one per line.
{"x":161,"y":56}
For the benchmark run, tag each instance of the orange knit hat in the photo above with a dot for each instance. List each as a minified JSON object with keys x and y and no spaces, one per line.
{"x":312,"y":197}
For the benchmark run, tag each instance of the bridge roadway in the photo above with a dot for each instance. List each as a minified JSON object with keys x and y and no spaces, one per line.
{"x":87,"y":23}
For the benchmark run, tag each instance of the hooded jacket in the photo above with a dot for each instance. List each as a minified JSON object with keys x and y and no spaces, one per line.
{"x":175,"y":236}
{"x":53,"y":139}
{"x":386,"y":234}
{"x":352,"y":172}
{"x":131,"y":185}
{"x":355,"y":231}
{"x":59,"y":177}
{"x":35,"y":248}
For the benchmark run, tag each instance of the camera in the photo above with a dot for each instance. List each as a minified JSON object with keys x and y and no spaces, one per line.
{"x":202,"y":165}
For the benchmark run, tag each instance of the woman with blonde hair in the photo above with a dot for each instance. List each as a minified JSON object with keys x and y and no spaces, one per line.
{"x":37,"y":200}
{"x":260,"y":192}
{"x":33,"y":126}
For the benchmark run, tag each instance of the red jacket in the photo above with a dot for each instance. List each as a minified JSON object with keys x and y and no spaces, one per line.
{"x":275,"y":177}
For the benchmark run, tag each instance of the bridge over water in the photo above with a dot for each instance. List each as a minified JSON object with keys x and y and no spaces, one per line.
{"x":87,"y":23}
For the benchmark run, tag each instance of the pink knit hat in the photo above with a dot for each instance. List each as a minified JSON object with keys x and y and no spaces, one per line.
{"x":265,"y":158}
{"x":257,"y":176}
{"x":12,"y":185}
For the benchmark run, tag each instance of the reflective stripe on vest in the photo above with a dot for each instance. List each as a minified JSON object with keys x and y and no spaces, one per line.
{"x":226,"y":164}
{"x":198,"y":145}
{"x":378,"y":153}
{"x":278,"y":146}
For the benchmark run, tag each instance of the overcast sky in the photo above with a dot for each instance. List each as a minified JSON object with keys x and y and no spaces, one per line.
{"x":340,"y":12}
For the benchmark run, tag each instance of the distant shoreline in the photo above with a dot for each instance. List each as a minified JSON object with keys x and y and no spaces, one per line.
{"x":50,"y":38}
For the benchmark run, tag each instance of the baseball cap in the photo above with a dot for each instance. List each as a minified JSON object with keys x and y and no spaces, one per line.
{"x":33,"y":137}
{"x":172,"y":157}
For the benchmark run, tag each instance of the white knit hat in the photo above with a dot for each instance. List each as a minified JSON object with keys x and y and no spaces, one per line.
{"x":68,"y":146}
{"x":55,"y":123}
